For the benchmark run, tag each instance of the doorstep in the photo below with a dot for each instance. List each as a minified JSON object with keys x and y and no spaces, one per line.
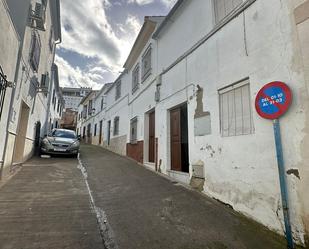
{"x":151,"y":166}
{"x":182,"y":177}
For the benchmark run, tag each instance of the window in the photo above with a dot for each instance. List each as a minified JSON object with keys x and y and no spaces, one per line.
{"x":235,"y":110}
{"x":89,"y":130}
{"x":95,"y":130}
{"x":118,"y":90}
{"x":133,"y":131}
{"x":90,"y":107}
{"x":85,"y":111}
{"x":146,"y":64}
{"x":224,"y":7}
{"x":54,"y":98}
{"x":35,"y":51}
{"x":116,"y":126}
{"x":50,"y":42}
{"x":135,"y":78}
{"x":102,"y":103}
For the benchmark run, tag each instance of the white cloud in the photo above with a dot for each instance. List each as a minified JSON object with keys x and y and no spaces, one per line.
{"x":169,"y":3}
{"x":69,"y":76}
{"x":141,"y":2}
{"x":87,"y":31}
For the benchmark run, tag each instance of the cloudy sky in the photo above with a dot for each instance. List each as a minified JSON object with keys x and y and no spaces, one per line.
{"x":97,"y":36}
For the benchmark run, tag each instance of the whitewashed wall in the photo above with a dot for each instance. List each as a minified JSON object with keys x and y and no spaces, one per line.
{"x":26,"y":92}
{"x":239,"y":170}
{"x":117,"y":108}
{"x":9,"y":46}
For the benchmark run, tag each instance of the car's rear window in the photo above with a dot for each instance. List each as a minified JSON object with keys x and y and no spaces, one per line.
{"x":63,"y":133}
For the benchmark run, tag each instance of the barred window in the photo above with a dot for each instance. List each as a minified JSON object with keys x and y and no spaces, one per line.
{"x":116,"y":126}
{"x":235,"y":110}
{"x":135,"y":78}
{"x":118,"y":90}
{"x":146,"y":64}
{"x":224,"y":7}
{"x":133,"y":131}
{"x":95,"y":130}
{"x":35,"y":51}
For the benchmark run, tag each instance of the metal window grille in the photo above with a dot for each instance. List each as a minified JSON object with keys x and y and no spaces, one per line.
{"x":135,"y":78}
{"x":225,"y":7}
{"x":235,"y":110}
{"x":133,"y":131}
{"x":116,"y":126}
{"x":35,"y":51}
{"x":146,"y":64}
{"x":118,"y":90}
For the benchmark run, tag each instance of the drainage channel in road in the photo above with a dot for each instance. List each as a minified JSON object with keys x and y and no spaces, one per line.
{"x":106,"y":231}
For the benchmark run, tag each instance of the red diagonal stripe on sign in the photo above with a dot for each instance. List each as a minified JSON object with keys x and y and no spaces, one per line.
{"x":275,"y":103}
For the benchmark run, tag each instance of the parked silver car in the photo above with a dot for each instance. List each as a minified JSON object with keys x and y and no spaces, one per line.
{"x":60,"y":141}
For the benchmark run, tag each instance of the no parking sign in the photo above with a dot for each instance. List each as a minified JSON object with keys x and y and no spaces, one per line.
{"x":273,"y":100}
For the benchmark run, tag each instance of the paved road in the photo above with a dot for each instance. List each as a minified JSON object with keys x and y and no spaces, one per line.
{"x":48,"y":205}
{"x":147,"y":211}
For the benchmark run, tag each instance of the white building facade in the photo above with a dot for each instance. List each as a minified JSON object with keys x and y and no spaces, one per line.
{"x":186,"y":107}
{"x":37,"y":24}
{"x":73,"y":96}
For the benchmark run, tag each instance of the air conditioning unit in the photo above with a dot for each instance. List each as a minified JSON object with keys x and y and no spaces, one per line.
{"x":44,"y":84}
{"x":37,"y":16}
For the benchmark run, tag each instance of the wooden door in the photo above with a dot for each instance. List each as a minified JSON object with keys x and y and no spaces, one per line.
{"x":152,"y":137}
{"x":175,"y":116}
{"x":100,"y":132}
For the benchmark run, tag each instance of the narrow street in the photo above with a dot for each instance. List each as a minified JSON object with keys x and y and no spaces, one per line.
{"x":47,"y":205}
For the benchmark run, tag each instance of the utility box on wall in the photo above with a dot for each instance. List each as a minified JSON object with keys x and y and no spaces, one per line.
{"x":198,"y":169}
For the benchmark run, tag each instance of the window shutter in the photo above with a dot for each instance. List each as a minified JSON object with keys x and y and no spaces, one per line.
{"x":235,"y":110}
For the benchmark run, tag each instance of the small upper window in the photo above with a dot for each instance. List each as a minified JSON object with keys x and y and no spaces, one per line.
{"x":35,"y":51}
{"x":135,"y":78}
{"x":146,"y":64}
{"x":224,"y":7}
{"x":118,"y":90}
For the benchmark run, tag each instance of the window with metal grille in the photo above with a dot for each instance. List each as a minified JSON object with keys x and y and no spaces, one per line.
{"x":116,"y":126}
{"x":95,"y":130}
{"x":133,"y":131}
{"x":135,"y":78}
{"x":118,"y":90}
{"x":225,"y":7}
{"x":35,"y":51}
{"x":50,"y":41}
{"x":90,"y":107}
{"x":235,"y":110}
{"x":102,"y":103}
{"x":89,"y":130}
{"x":146,"y":64}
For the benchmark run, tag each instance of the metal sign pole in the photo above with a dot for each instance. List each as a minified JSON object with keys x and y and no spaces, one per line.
{"x":283,"y":187}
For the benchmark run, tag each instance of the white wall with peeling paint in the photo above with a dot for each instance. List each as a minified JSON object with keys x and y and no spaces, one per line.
{"x":260,"y":43}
